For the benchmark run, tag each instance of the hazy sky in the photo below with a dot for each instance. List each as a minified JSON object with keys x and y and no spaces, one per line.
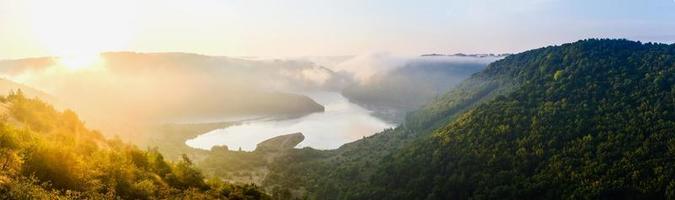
{"x":321,"y":27}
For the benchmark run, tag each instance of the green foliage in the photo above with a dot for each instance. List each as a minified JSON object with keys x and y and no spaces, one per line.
{"x":223,"y":163}
{"x":589,"y":120}
{"x":48,"y":154}
{"x":344,"y":173}
{"x":558,"y":74}
{"x":604,"y":132}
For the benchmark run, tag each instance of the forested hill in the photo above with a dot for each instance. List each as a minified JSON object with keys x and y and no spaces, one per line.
{"x":344,"y":173}
{"x":47,"y":154}
{"x":591,"y":119}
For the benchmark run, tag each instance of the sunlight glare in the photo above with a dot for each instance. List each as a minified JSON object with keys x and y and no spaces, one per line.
{"x":80,"y":62}
{"x":82,"y":27}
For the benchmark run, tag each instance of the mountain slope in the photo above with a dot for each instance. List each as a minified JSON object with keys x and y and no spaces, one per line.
{"x":47,"y":154}
{"x":7,"y":86}
{"x":560,"y":91}
{"x":344,"y":172}
{"x":591,"y":119}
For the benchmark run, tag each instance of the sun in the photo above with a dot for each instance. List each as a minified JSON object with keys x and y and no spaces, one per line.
{"x":78,"y":30}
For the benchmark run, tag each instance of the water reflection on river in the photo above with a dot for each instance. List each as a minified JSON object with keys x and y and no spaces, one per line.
{"x":342,"y":122}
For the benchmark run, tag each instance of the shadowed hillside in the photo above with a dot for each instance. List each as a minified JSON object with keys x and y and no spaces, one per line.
{"x":591,"y":119}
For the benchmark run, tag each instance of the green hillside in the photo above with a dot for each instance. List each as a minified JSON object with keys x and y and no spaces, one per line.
{"x":47,"y":154}
{"x":591,"y":119}
{"x":344,"y":173}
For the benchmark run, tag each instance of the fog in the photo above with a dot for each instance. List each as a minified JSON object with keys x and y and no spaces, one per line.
{"x":392,"y":85}
{"x":388,"y":85}
{"x":127,"y":93}
{"x":364,"y":67}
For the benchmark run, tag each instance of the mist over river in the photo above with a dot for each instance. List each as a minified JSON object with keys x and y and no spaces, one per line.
{"x":340,"y":123}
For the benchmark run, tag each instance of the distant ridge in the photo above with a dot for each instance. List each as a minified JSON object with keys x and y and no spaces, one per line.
{"x":480,"y":55}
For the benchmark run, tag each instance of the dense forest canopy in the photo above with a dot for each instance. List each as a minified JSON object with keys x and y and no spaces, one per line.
{"x":590,"y":119}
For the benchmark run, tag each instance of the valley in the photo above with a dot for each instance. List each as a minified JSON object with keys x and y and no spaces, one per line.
{"x":337,"y":100}
{"x":363,"y":169}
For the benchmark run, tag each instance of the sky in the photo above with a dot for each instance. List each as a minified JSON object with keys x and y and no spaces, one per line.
{"x":30,"y":28}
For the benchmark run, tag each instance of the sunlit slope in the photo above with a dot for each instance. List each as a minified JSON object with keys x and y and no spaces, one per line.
{"x":7,"y":86}
{"x":591,"y":119}
{"x":47,"y":154}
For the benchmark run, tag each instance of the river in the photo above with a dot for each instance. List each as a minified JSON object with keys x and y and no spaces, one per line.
{"x":340,"y":123}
